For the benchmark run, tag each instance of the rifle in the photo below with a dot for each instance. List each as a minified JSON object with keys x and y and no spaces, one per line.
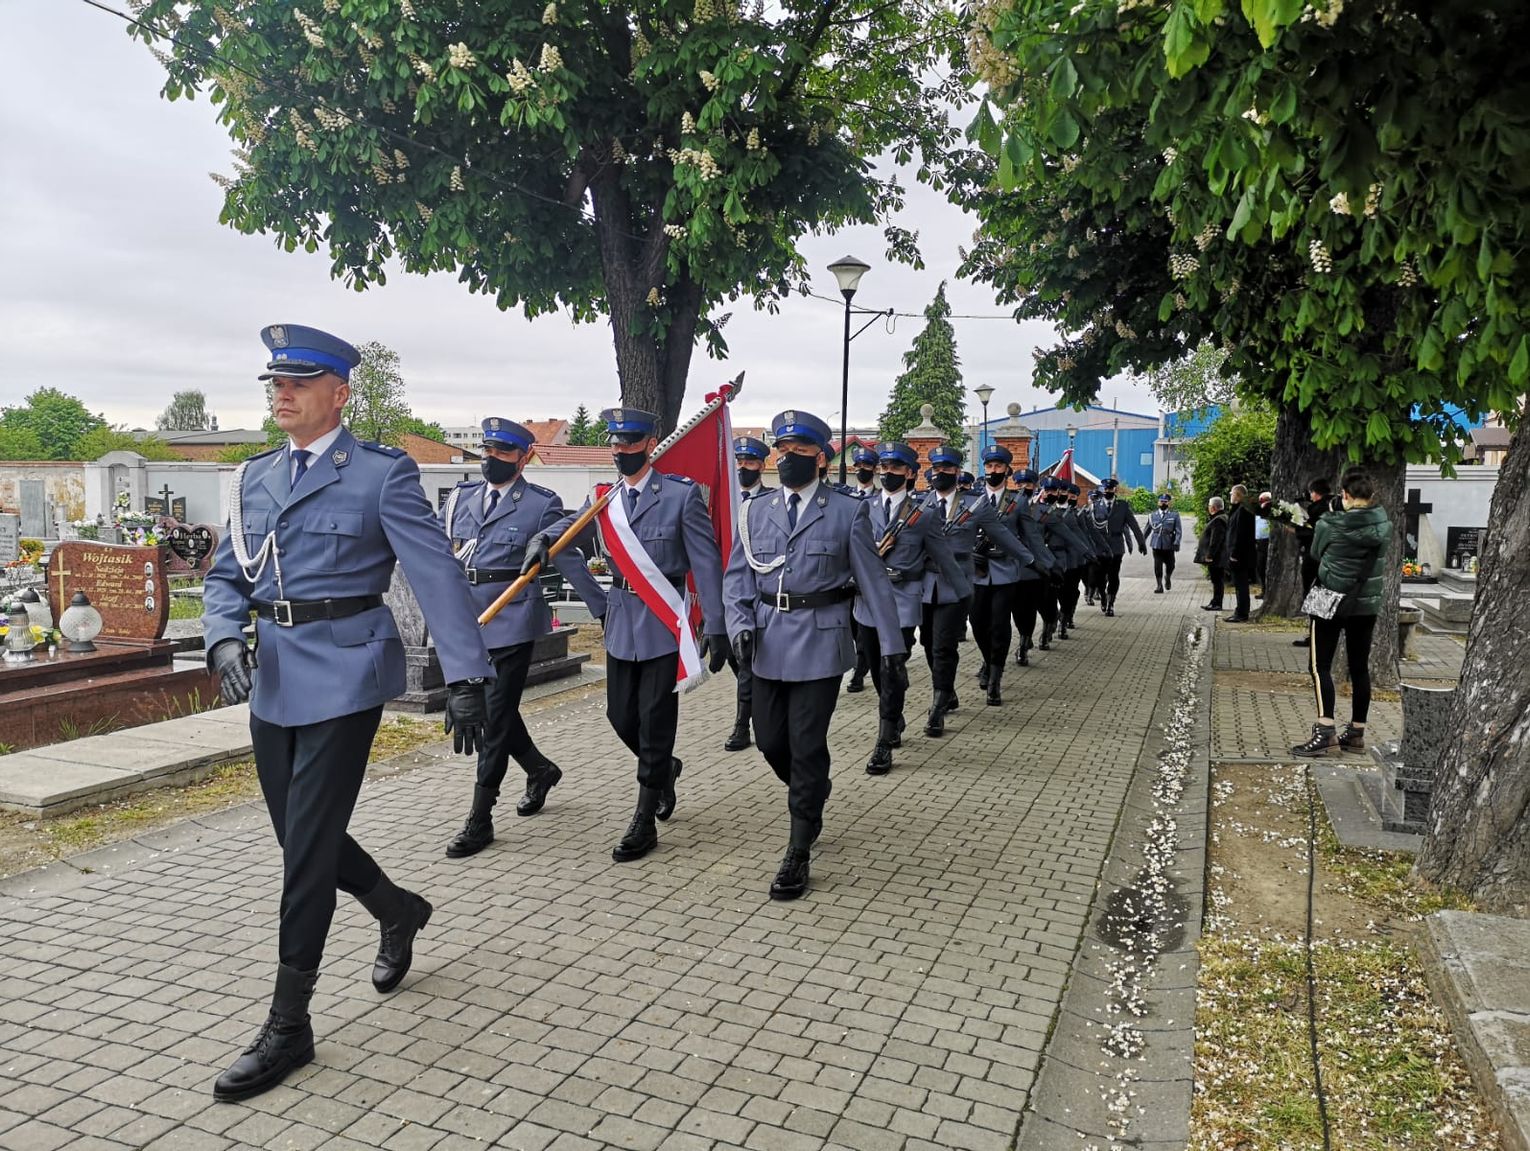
{"x":909,"y":514}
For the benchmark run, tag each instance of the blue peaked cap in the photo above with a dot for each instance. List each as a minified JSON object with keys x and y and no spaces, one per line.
{"x":897,"y":452}
{"x":632,"y":424}
{"x":946,"y":454}
{"x":1026,"y":476}
{"x":506,"y":434}
{"x":803,"y":426}
{"x":751,"y":447}
{"x":864,"y":455}
{"x":306,"y":353}
{"x":998,"y":453}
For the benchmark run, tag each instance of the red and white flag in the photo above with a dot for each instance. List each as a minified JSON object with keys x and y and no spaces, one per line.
{"x":1064,"y":469}
{"x":703,"y":453}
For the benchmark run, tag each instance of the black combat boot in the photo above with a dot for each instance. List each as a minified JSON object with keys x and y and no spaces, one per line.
{"x":897,"y":735}
{"x":284,"y":1042}
{"x":994,"y":698}
{"x":1168,"y":581}
{"x":666,"y":806}
{"x":478,"y":832}
{"x":1046,"y":639}
{"x":740,"y":737}
{"x":642,"y":833}
{"x":540,"y":779}
{"x":1110,"y":608}
{"x":791,"y":879}
{"x":400,"y":915}
{"x":935,"y":726}
{"x":881,"y":761}
{"x":1022,"y":654}
{"x":1159,"y":589}
{"x":1320,"y":743}
{"x":1352,"y":738}
{"x":983,"y":677}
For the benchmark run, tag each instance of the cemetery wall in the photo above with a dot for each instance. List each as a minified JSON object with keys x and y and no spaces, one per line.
{"x":1461,"y":502}
{"x":42,"y":490}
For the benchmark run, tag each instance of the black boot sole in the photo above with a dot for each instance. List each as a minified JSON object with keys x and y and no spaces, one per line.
{"x":732,"y":744}
{"x":389,"y":984}
{"x":524,"y":808}
{"x":265,"y":1082}
{"x":458,"y":850}
{"x":623,"y":854}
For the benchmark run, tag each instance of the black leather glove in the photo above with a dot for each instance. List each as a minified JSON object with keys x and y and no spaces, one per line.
{"x":895,"y":575}
{"x":895,"y":671}
{"x":467,"y":714}
{"x":743,"y":648}
{"x":714,"y":649}
{"x":232,"y":660}
{"x":537,"y":553}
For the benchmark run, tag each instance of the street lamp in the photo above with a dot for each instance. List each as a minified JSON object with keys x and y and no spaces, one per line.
{"x":848,"y":272}
{"x":984,"y":394}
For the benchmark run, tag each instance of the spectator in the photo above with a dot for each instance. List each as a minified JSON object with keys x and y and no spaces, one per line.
{"x":1209,"y":551}
{"x":1164,"y":535}
{"x":1262,"y":540}
{"x":1350,"y":550}
{"x":1240,"y":552}
{"x":1319,"y":501}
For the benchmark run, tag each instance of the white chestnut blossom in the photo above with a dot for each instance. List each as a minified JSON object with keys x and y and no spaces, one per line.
{"x":1339,"y":205}
{"x":461,"y":56}
{"x":551,"y":60}
{"x":456,"y":182}
{"x":550,"y":14}
{"x":519,"y":78}
{"x":1317,"y":253}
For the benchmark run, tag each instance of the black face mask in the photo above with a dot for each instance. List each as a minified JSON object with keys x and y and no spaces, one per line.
{"x":893,"y":483}
{"x":497,"y":471}
{"x":995,"y":479}
{"x":943,"y":482}
{"x":748,"y":477}
{"x":865,"y":475}
{"x":631,"y":463}
{"x":1109,"y":496}
{"x":797,"y":471}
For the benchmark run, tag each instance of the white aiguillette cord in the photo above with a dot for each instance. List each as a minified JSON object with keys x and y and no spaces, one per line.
{"x":268,"y":550}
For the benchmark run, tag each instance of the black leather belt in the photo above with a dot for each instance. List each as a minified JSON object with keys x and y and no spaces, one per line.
{"x":476,"y":576}
{"x":785,"y":601}
{"x":619,"y":583}
{"x":287,"y":612}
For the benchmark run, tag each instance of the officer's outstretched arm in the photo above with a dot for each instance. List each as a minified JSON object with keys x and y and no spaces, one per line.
{"x":571,"y":563}
{"x":872,"y":584}
{"x":998,"y":531}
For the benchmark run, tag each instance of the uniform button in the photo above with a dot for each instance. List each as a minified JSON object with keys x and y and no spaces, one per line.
{"x":788,"y":567}
{"x":282,"y":524}
{"x":281,"y":551}
{"x":331,"y":525}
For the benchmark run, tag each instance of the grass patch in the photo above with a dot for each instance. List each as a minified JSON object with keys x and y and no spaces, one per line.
{"x":1383,"y":880}
{"x":400,"y":734}
{"x":185,"y":607}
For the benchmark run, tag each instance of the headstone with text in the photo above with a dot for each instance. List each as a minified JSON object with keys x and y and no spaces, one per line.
{"x":1461,"y":544}
{"x":34,"y":509}
{"x":190,"y":547}
{"x":155,"y":506}
{"x":127,"y":585}
{"x":10,"y":537}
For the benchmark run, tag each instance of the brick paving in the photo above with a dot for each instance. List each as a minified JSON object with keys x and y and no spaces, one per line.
{"x":561,"y":1001}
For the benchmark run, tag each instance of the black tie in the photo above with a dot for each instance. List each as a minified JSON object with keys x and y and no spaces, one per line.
{"x":302,"y":457}
{"x":791,"y":510}
{"x":493,"y":502}
{"x":632,"y":499}
{"x":887,"y":510}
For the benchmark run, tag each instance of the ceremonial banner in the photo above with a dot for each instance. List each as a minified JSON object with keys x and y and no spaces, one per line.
{"x":1064,"y":469}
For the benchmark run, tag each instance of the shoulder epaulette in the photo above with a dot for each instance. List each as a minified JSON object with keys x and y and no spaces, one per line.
{"x":540,"y":490}
{"x":264,"y":454}
{"x":678,"y":479}
{"x":468,"y":483}
{"x":382,"y":448}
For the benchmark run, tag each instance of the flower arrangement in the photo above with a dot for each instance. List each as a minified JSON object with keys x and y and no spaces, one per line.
{"x":1286,"y":512}
{"x":1412,"y":569}
{"x":597,"y":566}
{"x":28,"y":553}
{"x":138,"y":528}
{"x":86,"y":529}
{"x":40,"y":635}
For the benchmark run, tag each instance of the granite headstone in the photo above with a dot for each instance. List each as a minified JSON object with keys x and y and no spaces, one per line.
{"x":127,"y":585}
{"x":1409,"y":766}
{"x":190,"y":546}
{"x":34,"y":508}
{"x":10,"y":537}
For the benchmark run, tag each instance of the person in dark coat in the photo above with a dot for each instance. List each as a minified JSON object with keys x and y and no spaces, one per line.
{"x":1240,"y":554}
{"x":1319,"y":501}
{"x":1213,"y":543}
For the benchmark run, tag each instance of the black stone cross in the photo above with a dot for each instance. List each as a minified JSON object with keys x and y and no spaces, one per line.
{"x":166,"y":493}
{"x":1414,"y":508}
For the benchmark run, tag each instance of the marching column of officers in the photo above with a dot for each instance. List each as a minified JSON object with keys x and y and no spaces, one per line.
{"x":820,"y":580}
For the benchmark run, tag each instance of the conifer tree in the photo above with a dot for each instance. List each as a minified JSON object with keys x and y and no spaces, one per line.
{"x":932,"y":374}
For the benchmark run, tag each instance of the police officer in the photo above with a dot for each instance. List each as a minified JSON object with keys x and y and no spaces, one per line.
{"x":1033,"y":595}
{"x":489,"y":522}
{"x":1000,"y":577}
{"x":909,"y":538}
{"x":1117,"y":521}
{"x":967,"y":482}
{"x":865,"y":462}
{"x":750,"y":454}
{"x":1067,"y":546}
{"x":788,"y":604}
{"x":946,"y":599}
{"x":315,"y":528}
{"x":1088,"y":544}
{"x":668,"y":516}
{"x":1164,"y":535}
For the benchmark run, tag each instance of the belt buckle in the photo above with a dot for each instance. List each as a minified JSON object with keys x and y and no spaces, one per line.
{"x":472,"y":576}
{"x":281,"y":612}
{"x":783,"y":601}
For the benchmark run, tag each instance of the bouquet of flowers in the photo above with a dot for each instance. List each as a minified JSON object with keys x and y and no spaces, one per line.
{"x":1286,"y":512}
{"x":1412,"y":569}
{"x":137,"y":527}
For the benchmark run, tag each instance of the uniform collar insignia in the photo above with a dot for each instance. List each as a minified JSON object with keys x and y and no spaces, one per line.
{"x":655,"y":488}
{"x":517,"y":493}
{"x":339,"y":457}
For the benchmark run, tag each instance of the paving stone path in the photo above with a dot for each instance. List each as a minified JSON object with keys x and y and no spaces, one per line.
{"x":561,"y":1001}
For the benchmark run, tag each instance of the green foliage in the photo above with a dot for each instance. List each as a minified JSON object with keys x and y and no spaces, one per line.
{"x":20,"y":444}
{"x":932,"y":374}
{"x":1335,"y":192}
{"x":1237,"y":448}
{"x":585,"y":430}
{"x":377,"y":409}
{"x":238,"y":453}
{"x":651,"y":162}
{"x":427,"y":428}
{"x":1195,"y":382}
{"x":186,"y":412}
{"x":56,"y":420}
{"x":98,"y":441}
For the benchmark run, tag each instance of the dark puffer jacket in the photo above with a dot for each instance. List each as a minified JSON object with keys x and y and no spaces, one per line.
{"x":1344,"y":545}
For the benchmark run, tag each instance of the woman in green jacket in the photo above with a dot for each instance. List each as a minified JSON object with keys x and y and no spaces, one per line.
{"x":1350,"y":549}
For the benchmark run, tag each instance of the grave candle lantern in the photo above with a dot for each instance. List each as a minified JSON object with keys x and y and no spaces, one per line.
{"x":80,"y":624}
{"x":18,"y":637}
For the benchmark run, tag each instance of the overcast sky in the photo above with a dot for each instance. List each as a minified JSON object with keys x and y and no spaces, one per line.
{"x":118,"y":284}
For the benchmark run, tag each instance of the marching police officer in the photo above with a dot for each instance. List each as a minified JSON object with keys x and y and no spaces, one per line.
{"x":315,"y":528}
{"x":788,"y":603}
{"x":1070,"y":549}
{"x":1000,"y":578}
{"x":909,"y":537}
{"x":1117,"y":521}
{"x":668,"y":516}
{"x":1088,"y":541}
{"x":865,"y":462}
{"x":1033,"y":594}
{"x":1164,"y":535}
{"x":489,"y":522}
{"x":750,"y":454}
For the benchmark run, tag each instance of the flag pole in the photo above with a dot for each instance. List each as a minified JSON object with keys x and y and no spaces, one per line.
{"x":725,"y":394}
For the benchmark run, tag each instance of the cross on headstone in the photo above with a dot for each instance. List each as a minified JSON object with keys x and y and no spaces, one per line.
{"x":165,"y":494}
{"x":59,"y":570}
{"x":1414,"y":508}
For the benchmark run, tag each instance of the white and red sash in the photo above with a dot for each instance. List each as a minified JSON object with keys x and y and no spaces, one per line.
{"x":661,"y":597}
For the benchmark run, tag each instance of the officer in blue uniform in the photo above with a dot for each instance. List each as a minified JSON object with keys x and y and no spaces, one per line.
{"x":910,"y":537}
{"x":788,"y":606}
{"x":1064,"y":542}
{"x":865,"y":461}
{"x":1033,"y":597}
{"x":669,"y":517}
{"x":1093,"y":545}
{"x":315,"y":528}
{"x":750,"y":454}
{"x":946,"y":600}
{"x":1000,"y":579}
{"x":489,"y":522}
{"x":1117,"y":521}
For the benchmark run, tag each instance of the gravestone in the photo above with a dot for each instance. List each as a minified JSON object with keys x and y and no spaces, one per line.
{"x":190,"y":547}
{"x":1462,"y":544}
{"x":10,"y":537}
{"x":127,"y":585}
{"x":34,"y":509}
{"x":155,"y":506}
{"x":1408,"y":766}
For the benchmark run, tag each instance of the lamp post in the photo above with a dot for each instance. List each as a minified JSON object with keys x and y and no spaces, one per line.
{"x":984,"y":394}
{"x":848,"y":272}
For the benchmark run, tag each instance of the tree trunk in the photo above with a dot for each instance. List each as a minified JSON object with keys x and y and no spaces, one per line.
{"x":1294,"y":464}
{"x":1390,"y":479}
{"x":1478,"y":839}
